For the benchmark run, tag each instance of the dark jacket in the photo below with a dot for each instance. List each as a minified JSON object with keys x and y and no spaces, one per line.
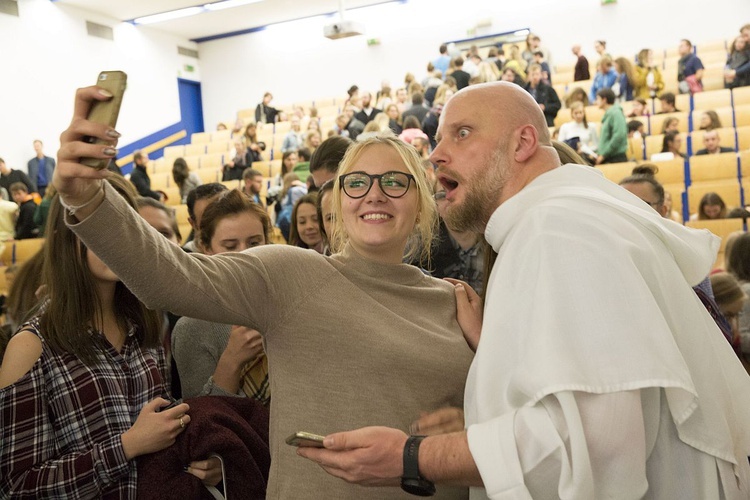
{"x":722,"y":149}
{"x":25,"y":227}
{"x":262,"y":111}
{"x":546,"y":95}
{"x":16,"y":176}
{"x":416,"y":110}
{"x":142,"y":182}
{"x":462,"y":78}
{"x":581,"y":71}
{"x":365,"y":118}
{"x":354,"y":127}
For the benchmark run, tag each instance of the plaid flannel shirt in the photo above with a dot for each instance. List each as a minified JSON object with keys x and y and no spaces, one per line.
{"x":60,"y":424}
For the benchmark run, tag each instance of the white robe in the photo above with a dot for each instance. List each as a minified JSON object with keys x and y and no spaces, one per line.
{"x":599,"y":374}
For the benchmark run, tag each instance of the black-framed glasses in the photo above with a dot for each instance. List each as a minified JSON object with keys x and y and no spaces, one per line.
{"x":358,"y":184}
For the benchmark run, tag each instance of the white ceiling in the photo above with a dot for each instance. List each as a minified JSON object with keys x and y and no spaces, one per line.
{"x":219,"y":22}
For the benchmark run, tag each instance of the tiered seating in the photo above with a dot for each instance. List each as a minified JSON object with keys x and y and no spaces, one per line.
{"x":721,"y":228}
{"x":19,"y":251}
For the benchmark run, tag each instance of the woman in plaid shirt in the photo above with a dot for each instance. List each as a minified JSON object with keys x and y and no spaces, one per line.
{"x":80,"y":383}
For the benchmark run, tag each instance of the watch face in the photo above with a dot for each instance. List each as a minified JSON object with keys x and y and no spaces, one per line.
{"x":418,"y":486}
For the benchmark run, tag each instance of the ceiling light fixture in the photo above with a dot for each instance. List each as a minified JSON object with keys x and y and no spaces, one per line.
{"x":191,"y":11}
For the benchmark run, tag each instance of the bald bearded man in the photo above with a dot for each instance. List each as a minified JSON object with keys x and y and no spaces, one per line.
{"x":598,"y":374}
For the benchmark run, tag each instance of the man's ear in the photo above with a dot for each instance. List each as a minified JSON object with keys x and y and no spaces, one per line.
{"x":527,"y":144}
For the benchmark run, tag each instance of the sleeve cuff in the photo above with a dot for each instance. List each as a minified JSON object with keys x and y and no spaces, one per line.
{"x":493,"y":447}
{"x":111,"y":464}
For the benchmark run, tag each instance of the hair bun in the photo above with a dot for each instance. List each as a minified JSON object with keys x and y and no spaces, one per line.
{"x":648,"y":169}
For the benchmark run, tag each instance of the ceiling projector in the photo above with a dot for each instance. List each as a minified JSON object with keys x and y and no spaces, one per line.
{"x":342,"y":29}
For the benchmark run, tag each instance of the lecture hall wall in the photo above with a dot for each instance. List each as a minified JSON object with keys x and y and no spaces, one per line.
{"x":46,"y":54}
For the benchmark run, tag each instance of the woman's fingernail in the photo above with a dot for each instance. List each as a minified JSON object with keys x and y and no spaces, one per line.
{"x":113,"y":134}
{"x":110,"y":151}
{"x":105,"y":93}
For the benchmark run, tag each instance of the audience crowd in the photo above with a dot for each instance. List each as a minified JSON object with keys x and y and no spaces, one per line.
{"x":94,"y":406}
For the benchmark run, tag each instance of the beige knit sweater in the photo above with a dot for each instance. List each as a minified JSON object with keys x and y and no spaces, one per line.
{"x":350,"y":342}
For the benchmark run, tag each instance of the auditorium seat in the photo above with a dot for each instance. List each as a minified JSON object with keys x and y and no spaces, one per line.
{"x":173,"y":195}
{"x":174,"y":152}
{"x":208,"y":175}
{"x":715,"y":46}
{"x":214,"y":161}
{"x":195,"y":149}
{"x":563,"y":116}
{"x":712,"y":99}
{"x":200,"y":138}
{"x":635,"y":149}
{"x":742,"y":115}
{"x":193,"y":161}
{"x":219,"y":147}
{"x":670,"y":172}
{"x":617,"y":171}
{"x":741,"y":96}
{"x":743,"y":138}
{"x":19,"y":251}
{"x":221,"y":136}
{"x":713,"y":167}
{"x":682,"y":102}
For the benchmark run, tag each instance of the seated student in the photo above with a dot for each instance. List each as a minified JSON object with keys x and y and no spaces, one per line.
{"x":324,"y":208}
{"x":216,"y":359}
{"x":738,"y":264}
{"x":709,"y":120}
{"x":324,"y":162}
{"x":671,"y":124}
{"x":184,"y":178}
{"x":668,"y":103}
{"x":243,"y":159}
{"x":636,"y":129}
{"x":25,"y":227}
{"x":640,"y":108}
{"x":293,"y":190}
{"x":672,"y":143}
{"x":412,"y":129}
{"x":305,"y":229}
{"x":81,"y":383}
{"x":579,"y":128}
{"x":8,"y":211}
{"x":710,"y":207}
{"x":712,"y":144}
{"x":252,"y":185}
{"x":197,"y":201}
{"x":731,"y":299}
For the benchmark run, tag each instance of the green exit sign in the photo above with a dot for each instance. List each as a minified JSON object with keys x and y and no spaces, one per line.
{"x":608,"y":2}
{"x":189,"y":68}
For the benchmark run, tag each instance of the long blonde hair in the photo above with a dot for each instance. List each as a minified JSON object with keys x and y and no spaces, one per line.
{"x":420,"y":241}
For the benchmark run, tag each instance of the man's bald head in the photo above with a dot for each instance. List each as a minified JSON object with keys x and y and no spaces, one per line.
{"x":510,"y":104}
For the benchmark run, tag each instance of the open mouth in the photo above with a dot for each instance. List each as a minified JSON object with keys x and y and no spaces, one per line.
{"x":447,"y":183}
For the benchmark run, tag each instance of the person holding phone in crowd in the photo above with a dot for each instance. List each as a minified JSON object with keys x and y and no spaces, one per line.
{"x":82,"y":383}
{"x":399,"y":349}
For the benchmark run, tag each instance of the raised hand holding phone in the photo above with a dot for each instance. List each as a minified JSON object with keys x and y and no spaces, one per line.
{"x":78,"y":184}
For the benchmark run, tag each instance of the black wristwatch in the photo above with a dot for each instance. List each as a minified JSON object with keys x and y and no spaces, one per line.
{"x":412,"y":482}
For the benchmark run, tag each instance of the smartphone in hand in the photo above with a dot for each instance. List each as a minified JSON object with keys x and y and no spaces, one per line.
{"x":172,"y":403}
{"x":305,"y":439}
{"x":106,"y":112}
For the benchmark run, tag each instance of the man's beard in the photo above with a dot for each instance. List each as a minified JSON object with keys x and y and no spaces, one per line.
{"x":482,"y":196}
